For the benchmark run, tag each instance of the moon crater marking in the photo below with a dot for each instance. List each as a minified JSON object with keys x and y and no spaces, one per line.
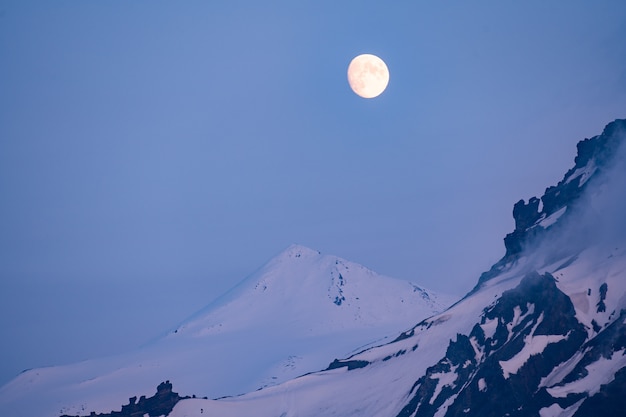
{"x":368,"y":75}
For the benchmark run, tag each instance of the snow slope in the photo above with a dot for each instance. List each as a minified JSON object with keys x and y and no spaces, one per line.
{"x":294,"y":315}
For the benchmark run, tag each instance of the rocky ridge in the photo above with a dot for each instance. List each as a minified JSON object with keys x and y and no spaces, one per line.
{"x":539,"y":217}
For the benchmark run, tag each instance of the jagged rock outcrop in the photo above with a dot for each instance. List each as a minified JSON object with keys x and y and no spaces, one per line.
{"x":592,"y":158}
{"x":537,"y":218}
{"x":160,"y":404}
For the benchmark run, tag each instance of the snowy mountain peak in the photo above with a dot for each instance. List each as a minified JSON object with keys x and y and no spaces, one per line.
{"x":304,"y":258}
{"x":328,"y":292}
{"x":296,"y":251}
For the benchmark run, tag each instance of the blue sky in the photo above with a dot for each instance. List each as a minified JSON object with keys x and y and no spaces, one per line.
{"x":153,"y":154}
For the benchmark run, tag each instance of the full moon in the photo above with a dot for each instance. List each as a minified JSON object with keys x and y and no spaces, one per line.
{"x":368,"y":75}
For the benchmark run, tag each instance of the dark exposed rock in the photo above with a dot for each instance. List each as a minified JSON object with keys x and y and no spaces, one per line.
{"x":601,"y":307}
{"x":611,"y":339}
{"x":526,"y":215}
{"x":475,"y":378}
{"x":609,"y":401}
{"x":160,"y":404}
{"x":404,"y":335}
{"x":350,"y":364}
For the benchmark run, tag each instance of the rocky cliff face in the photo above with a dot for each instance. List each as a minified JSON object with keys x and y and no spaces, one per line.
{"x":496,"y":368}
{"x":538,"y":217}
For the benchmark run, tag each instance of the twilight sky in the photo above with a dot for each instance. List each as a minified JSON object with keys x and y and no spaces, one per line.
{"x":153,"y":153}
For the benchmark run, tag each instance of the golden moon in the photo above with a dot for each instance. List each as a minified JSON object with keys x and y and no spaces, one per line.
{"x":368,"y":75}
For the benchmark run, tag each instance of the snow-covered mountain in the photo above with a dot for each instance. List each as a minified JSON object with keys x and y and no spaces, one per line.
{"x":543,"y":333}
{"x":292,"y":316}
